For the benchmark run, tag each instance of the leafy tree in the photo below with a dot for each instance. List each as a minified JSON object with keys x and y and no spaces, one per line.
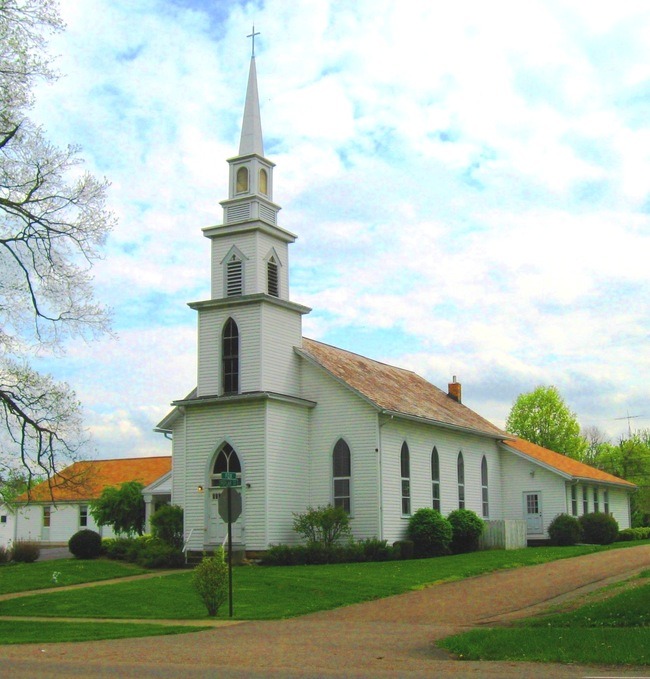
{"x":167,"y":525}
{"x":121,"y":508}
{"x":53,"y":223}
{"x":542,"y":417}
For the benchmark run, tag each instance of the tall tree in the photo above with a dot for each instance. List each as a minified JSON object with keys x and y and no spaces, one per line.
{"x":121,"y":508}
{"x":542,"y":417}
{"x":53,"y":223}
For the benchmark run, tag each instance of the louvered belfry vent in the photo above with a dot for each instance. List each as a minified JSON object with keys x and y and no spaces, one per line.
{"x":272,"y":272}
{"x":234,"y":278}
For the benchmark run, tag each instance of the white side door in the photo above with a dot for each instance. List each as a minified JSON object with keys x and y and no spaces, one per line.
{"x":533,"y":512}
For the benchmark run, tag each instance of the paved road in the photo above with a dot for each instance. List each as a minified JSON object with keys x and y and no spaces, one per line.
{"x":393,"y":637}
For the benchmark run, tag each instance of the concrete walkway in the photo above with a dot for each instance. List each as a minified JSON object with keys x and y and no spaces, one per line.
{"x":392,"y":637}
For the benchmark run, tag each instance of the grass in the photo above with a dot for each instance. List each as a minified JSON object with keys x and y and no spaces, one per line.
{"x":25,"y":577}
{"x":263,"y":593}
{"x":28,"y":632}
{"x":614,"y":631}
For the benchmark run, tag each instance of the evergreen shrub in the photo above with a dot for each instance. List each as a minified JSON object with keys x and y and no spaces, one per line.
{"x":5,"y":554}
{"x":565,"y":530}
{"x":157,"y":554}
{"x":404,"y":549}
{"x":167,"y":525}
{"x":210,"y":579}
{"x":598,"y":528}
{"x":430,"y":532}
{"x":117,"y":548}
{"x":24,"y":551}
{"x":629,"y":534}
{"x":85,"y":544}
{"x":374,"y":549}
{"x":466,"y":528}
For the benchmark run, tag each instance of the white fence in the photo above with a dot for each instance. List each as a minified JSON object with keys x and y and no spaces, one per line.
{"x":506,"y":534}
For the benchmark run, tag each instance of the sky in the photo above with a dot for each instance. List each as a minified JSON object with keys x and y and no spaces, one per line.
{"x":469,"y":183}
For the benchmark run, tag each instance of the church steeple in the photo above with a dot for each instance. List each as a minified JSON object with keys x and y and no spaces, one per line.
{"x":251,"y":131}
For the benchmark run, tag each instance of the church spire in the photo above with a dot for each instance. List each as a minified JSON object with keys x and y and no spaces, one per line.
{"x":251,"y":130}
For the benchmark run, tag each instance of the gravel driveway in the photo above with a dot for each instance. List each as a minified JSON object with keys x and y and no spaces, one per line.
{"x":391,"y":637}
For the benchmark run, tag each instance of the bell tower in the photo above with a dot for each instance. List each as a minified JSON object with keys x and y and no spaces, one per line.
{"x":248,"y":328}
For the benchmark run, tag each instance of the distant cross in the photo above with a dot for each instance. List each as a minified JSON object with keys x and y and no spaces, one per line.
{"x":252,"y":35}
{"x":628,"y":418}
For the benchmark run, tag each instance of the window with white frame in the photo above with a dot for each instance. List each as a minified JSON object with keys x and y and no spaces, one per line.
{"x":574,"y":500}
{"x":3,"y":518}
{"x":230,"y":357}
{"x":242,"y":180}
{"x":606,"y":500}
{"x":47,"y":516}
{"x":596,"y":502}
{"x":435,"y":479}
{"x":485,"y":495}
{"x":460,"y":468}
{"x":341,"y":475}
{"x":83,"y":516}
{"x":405,"y":467}
{"x":585,"y":500}
{"x":226,"y":460}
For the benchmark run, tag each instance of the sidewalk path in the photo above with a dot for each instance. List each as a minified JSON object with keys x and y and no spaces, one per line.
{"x":392,"y":637}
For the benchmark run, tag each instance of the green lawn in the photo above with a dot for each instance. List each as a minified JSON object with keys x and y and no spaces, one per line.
{"x":24,"y":577}
{"x":614,"y":631}
{"x":262,"y":593}
{"x":28,"y":632}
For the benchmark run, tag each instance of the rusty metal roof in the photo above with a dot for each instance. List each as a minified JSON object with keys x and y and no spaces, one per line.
{"x":395,"y":390}
{"x":564,"y":464}
{"x":85,"y":480}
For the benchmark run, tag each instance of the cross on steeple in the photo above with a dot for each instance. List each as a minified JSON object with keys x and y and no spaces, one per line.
{"x":252,"y":35}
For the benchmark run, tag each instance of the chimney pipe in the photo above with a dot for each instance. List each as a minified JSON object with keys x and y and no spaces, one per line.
{"x":454,"y":390}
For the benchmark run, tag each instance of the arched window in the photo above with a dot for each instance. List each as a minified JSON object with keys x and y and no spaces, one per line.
{"x":234,"y":276}
{"x":272,"y":277}
{"x":405,"y":466}
{"x":242,"y":180}
{"x":264,"y":182}
{"x":484,"y":488}
{"x":230,"y":357}
{"x":341,"y":473}
{"x":226,"y":461}
{"x":460,"y":464}
{"x":435,"y":479}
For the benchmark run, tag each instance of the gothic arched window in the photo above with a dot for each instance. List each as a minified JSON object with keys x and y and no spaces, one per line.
{"x":460,"y":464}
{"x":405,"y":466}
{"x":484,"y":488}
{"x":230,"y":357}
{"x":341,"y":473}
{"x":225,"y":461}
{"x":264,"y":182}
{"x":435,"y":479}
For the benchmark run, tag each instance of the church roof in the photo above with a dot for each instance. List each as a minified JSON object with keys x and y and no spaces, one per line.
{"x":565,"y":465}
{"x":86,"y":479}
{"x":396,"y":390}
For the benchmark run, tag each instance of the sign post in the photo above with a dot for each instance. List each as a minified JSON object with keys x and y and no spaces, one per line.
{"x":230,"y":506}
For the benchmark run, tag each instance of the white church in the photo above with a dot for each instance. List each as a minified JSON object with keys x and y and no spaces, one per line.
{"x":302,"y":423}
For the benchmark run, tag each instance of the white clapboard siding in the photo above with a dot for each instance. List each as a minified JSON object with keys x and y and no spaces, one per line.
{"x":280,"y":365}
{"x":521,"y":476}
{"x":246,"y":243}
{"x":178,"y":461}
{"x":265,"y":243}
{"x":421,"y":439}
{"x":619,"y":504}
{"x":242,"y":425}
{"x":211,"y":324}
{"x":287,"y":470}
{"x":340,"y":413}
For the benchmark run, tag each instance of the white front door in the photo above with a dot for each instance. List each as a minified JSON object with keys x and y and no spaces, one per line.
{"x":218,"y":528}
{"x":533,"y":512}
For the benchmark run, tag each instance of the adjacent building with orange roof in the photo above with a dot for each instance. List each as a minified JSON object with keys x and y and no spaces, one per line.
{"x":54,"y":510}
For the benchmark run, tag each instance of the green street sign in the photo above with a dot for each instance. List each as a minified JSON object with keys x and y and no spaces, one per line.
{"x":228,"y":475}
{"x":229,"y":483}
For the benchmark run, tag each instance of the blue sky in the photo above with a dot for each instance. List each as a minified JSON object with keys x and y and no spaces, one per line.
{"x":468,"y":181}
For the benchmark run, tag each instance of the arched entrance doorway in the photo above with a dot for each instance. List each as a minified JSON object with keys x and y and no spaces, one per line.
{"x":226,"y":460}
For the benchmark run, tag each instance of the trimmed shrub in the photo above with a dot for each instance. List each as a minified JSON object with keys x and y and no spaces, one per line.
{"x":565,"y":530}
{"x":629,"y":534}
{"x":598,"y":528}
{"x":376,"y":550}
{"x":23,"y":551}
{"x":167,"y":525}
{"x":160,"y":555}
{"x":117,"y":548}
{"x":404,"y":549}
{"x":466,"y":528}
{"x":323,"y":525}
{"x":430,"y":532}
{"x":85,"y":544}
{"x":210,"y":579}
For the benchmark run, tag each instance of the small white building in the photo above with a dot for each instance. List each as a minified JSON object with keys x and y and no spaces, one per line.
{"x":54,"y":511}
{"x":301,"y":423}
